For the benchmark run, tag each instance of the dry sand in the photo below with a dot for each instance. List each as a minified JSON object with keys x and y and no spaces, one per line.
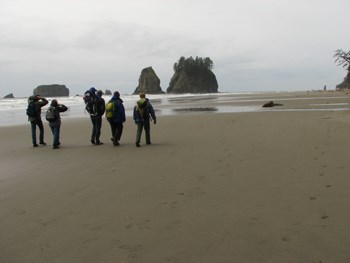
{"x":231,"y":187}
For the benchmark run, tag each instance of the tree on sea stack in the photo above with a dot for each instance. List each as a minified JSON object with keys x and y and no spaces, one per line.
{"x":193,"y":75}
{"x":343,"y":59}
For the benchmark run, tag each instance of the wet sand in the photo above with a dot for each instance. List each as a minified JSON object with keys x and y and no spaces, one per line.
{"x":269,"y":186}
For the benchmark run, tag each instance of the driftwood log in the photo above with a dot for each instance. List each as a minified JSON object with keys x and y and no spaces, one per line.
{"x":271,"y":104}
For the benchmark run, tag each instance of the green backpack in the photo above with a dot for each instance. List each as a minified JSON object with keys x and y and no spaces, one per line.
{"x":51,"y":114}
{"x":110,"y":110}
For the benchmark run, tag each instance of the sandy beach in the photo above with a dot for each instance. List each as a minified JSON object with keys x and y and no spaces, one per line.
{"x":269,"y":186}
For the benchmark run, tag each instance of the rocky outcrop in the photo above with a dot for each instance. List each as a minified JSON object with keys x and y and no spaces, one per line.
{"x":108,"y":92}
{"x":9,"y":96}
{"x":53,"y":90}
{"x":193,"y":80}
{"x":345,"y":84}
{"x":149,"y":82}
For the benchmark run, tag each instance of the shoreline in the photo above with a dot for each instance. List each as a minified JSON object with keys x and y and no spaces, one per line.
{"x":206,"y":103}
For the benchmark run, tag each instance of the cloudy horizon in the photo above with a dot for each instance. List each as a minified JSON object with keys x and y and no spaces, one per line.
{"x":277,"y":45}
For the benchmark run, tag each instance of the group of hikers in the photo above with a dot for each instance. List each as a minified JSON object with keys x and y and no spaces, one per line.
{"x":114,"y":111}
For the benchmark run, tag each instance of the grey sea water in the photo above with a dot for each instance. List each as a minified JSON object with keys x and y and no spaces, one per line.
{"x":12,"y":111}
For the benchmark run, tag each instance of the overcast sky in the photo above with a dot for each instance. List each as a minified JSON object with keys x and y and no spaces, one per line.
{"x":255,"y":45}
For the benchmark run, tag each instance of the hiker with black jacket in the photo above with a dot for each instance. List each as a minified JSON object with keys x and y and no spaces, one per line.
{"x":96,"y":118}
{"x":55,"y":123}
{"x":143,"y":113}
{"x":35,"y":103}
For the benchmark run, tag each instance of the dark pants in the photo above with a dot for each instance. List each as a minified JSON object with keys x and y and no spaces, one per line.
{"x":56,"y":135}
{"x":117,"y":129}
{"x":96,"y":128}
{"x":38,"y":123}
{"x":140,"y":126}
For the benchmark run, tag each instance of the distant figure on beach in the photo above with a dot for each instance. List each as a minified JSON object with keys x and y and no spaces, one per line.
{"x":115,"y":114}
{"x":96,"y":118}
{"x":54,"y":119}
{"x":325,"y":87}
{"x":143,"y":114}
{"x":35,"y":103}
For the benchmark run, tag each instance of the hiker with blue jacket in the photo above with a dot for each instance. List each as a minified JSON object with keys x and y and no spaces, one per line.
{"x":115,"y":114}
{"x":35,"y":103}
{"x":143,"y":114}
{"x":55,"y":123}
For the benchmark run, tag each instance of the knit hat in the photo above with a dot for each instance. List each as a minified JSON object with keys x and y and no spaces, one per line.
{"x":116,"y":94}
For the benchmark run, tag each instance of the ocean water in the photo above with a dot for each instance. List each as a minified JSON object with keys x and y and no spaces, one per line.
{"x":13,"y":111}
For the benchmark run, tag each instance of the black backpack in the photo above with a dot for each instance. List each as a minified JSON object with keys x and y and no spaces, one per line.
{"x":31,"y":112}
{"x":90,"y":102}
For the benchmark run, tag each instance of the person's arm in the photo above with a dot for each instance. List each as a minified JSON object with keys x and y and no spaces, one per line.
{"x":62,"y":108}
{"x":134,"y":114}
{"x":151,"y":111}
{"x":122,"y":112}
{"x":43,"y":101}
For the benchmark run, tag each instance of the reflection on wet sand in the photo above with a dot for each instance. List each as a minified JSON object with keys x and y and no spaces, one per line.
{"x":201,"y":109}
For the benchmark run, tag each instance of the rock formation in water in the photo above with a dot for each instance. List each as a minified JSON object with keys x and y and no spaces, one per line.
{"x":53,"y":90}
{"x":9,"y":96}
{"x":193,"y":76}
{"x":149,"y":82}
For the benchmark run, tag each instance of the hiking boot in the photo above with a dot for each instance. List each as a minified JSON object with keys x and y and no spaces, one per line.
{"x":137,"y":144}
{"x":42,"y":143}
{"x":92,"y":141}
{"x":148,"y":143}
{"x":55,"y":147}
{"x":115,"y":142}
{"x":99,"y":143}
{"x":35,"y":145}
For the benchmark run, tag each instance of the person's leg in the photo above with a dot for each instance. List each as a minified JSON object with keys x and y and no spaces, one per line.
{"x":56,"y":136}
{"x":113,"y":131}
{"x":98,"y":124}
{"x":93,"y":132}
{"x":119,"y":130}
{"x":53,"y":135}
{"x":148,"y":132}
{"x":33,"y":129}
{"x":138,"y":133}
{"x":41,"y":129}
